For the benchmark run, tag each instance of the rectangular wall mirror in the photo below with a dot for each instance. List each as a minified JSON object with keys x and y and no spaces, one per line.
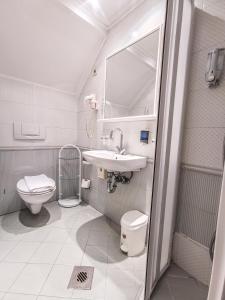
{"x":132,"y":79}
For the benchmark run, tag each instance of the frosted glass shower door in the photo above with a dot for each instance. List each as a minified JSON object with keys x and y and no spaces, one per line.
{"x":169,"y":137}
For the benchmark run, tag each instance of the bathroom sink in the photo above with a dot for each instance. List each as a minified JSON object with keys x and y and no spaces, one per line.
{"x":112,"y":161}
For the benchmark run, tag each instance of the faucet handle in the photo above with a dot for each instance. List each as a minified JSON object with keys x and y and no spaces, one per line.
{"x":123,"y":152}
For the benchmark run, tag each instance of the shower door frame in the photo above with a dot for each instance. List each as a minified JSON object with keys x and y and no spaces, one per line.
{"x":169,"y":136}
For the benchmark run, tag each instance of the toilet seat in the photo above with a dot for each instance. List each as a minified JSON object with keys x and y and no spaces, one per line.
{"x":22,"y":188}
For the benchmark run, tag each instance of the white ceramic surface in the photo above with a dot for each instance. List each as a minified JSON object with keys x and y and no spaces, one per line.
{"x":111,"y":161}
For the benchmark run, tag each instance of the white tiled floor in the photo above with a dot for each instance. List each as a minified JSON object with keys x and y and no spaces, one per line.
{"x":176,"y":284}
{"x":36,"y":262}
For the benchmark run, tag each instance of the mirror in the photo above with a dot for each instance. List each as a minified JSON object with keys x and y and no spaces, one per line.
{"x":131,"y":79}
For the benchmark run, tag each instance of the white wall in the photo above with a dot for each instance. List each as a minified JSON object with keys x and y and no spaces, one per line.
{"x":136,"y":195}
{"x":205,"y":113}
{"x":30,"y":102}
{"x":204,"y":130}
{"x":46,"y":42}
{"x":137,"y":24}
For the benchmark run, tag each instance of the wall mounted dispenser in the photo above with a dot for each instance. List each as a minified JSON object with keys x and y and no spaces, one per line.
{"x":215,"y":66}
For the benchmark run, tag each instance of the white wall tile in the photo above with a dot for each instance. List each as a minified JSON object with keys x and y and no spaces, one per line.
{"x":203,"y":147}
{"x":215,"y":8}
{"x":208,"y":31}
{"x":192,"y":257}
{"x":205,"y":110}
{"x":11,"y":111}
{"x":136,"y":194}
{"x":21,"y":101}
{"x":15,"y":91}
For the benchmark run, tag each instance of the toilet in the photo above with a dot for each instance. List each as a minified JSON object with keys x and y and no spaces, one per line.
{"x":35,"y":199}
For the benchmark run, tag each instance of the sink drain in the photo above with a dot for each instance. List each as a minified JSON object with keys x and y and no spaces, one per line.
{"x":81,"y":278}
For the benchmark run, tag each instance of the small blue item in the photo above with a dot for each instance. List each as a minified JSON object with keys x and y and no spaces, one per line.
{"x":144,"y":136}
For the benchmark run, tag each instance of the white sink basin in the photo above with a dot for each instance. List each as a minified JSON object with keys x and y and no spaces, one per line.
{"x":111,"y":161}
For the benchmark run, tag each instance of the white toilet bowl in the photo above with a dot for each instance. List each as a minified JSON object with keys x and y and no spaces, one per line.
{"x":34,"y":200}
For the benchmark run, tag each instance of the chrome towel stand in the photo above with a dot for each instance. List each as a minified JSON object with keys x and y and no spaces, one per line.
{"x":74,"y":200}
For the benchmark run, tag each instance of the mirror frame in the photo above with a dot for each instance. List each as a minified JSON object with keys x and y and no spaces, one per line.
{"x":158,"y":77}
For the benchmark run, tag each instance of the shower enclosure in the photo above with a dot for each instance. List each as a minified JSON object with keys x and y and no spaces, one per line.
{"x":177,"y":42}
{"x":169,"y":133}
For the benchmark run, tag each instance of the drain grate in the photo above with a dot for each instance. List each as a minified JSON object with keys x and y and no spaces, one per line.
{"x":81,"y":278}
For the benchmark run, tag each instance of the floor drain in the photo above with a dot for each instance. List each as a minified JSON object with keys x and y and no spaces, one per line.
{"x":81,"y":278}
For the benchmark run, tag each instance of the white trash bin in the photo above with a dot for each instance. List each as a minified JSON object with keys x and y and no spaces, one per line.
{"x":133,"y":232}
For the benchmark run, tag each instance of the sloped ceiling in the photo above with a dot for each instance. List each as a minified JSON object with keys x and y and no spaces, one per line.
{"x":55,"y":42}
{"x":44,"y":42}
{"x":103,"y":14}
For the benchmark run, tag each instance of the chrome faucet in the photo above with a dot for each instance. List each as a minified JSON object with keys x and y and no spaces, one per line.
{"x":120,"y":149}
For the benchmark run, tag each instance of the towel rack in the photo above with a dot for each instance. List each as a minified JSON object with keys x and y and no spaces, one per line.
{"x":69,"y":180}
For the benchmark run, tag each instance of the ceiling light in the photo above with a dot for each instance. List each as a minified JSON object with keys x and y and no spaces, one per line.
{"x":94,"y":4}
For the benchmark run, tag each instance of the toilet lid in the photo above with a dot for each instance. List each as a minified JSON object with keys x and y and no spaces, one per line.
{"x":22,"y":187}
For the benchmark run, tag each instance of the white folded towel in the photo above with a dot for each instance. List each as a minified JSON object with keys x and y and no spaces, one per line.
{"x":39,"y":183}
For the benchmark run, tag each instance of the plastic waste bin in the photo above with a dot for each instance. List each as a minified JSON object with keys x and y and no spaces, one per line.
{"x":133,"y":232}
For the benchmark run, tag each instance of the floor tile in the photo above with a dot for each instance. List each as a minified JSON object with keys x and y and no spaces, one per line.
{"x":57,"y":282}
{"x":46,"y":253}
{"x":10,"y":296}
{"x":186,"y":289}
{"x":35,"y":235}
{"x":9,"y":273}
{"x":140,"y":261}
{"x":54,"y":298}
{"x":101,"y":224}
{"x":79,"y":236}
{"x":176,"y":284}
{"x":22,"y":252}
{"x":70,"y":237}
{"x":98,"y":287}
{"x":121,"y":285}
{"x":70,"y":255}
{"x":176,"y":272}
{"x":31,"y":280}
{"x":57,"y":235}
{"x":11,"y":223}
{"x":96,"y":257}
{"x":117,"y":259}
{"x":65,"y":222}
{"x":140,"y":274}
{"x":6,"y":247}
{"x":120,"y":292}
{"x":98,"y":238}
{"x":1,"y":295}
{"x":162,"y":292}
{"x":8,"y":236}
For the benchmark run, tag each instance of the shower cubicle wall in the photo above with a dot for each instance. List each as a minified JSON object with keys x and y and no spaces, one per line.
{"x":169,"y":137}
